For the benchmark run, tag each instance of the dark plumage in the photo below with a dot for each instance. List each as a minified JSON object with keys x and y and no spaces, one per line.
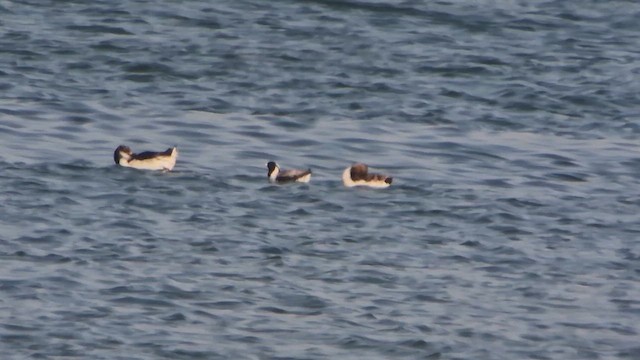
{"x":275,"y":174}
{"x":151,"y":160}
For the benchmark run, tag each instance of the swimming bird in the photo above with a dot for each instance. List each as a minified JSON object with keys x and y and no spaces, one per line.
{"x":147,"y":160}
{"x":284,"y":176}
{"x":358,"y":175}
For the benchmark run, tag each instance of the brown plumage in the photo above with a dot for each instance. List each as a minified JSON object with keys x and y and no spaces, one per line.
{"x":358,"y":175}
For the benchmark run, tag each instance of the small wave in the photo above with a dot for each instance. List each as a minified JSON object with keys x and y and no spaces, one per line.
{"x":100,"y":29}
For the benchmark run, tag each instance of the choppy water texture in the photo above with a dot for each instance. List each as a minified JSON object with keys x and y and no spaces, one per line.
{"x":510,"y":127}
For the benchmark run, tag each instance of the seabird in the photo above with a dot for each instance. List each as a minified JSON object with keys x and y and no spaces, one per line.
{"x":276,"y":175}
{"x":358,"y":175}
{"x":147,"y":160}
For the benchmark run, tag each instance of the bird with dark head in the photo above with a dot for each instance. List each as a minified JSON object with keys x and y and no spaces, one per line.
{"x":148,"y":160}
{"x":280,"y":176}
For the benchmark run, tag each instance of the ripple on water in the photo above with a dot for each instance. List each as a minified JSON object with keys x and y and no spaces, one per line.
{"x":99,"y":29}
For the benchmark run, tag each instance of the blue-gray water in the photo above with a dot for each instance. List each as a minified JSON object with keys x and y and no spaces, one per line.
{"x":510,"y":232}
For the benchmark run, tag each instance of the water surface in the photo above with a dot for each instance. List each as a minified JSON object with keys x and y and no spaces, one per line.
{"x":510,"y":231}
